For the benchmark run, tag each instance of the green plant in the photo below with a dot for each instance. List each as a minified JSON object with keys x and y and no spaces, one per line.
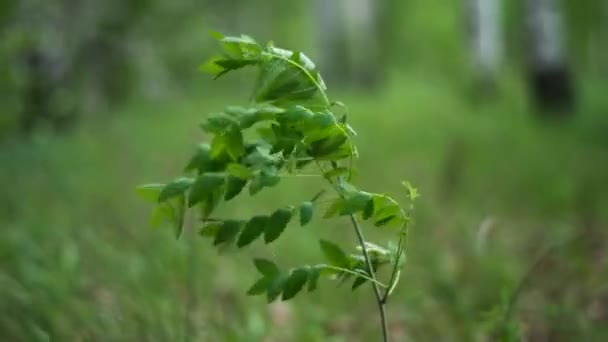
{"x":289,"y":129}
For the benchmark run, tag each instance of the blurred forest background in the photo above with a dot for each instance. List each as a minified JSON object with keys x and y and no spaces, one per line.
{"x":498,"y":111}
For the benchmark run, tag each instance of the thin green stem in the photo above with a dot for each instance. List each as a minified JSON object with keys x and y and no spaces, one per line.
{"x":287,"y":175}
{"x":368,"y":262}
{"x":354,"y":222}
{"x":346,"y":270}
{"x":395,"y":271}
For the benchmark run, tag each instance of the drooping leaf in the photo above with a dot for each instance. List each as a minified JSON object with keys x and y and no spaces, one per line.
{"x":253,"y":229}
{"x":368,"y":211}
{"x":239,"y":171}
{"x":334,"y":254}
{"x":234,"y":143}
{"x":356,"y":202}
{"x":211,"y":229}
{"x":228,"y":231}
{"x":259,"y":287}
{"x":266,"y":267}
{"x":282,"y":81}
{"x":305,"y":213}
{"x":219,"y":124}
{"x":204,"y":186}
{"x":249,"y":116}
{"x":276,"y":287}
{"x":334,"y":208}
{"x":277,"y":223}
{"x":262,"y":180}
{"x":295,"y":282}
{"x":234,"y":186}
{"x":180,"y":213}
{"x":201,"y":160}
{"x":386,"y":211}
{"x":149,"y":192}
{"x":175,"y":188}
{"x":210,"y":202}
{"x":230,"y":143}
{"x":313,"y":278}
{"x":328,"y":146}
{"x":161,"y":213}
{"x":359,"y":280}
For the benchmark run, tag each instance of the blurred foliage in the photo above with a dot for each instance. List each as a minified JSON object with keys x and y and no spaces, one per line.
{"x":499,"y":187}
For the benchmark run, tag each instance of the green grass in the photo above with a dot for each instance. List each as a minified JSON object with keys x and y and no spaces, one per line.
{"x":78,"y":261}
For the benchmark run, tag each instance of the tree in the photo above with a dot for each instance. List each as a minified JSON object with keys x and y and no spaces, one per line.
{"x":486,"y":41}
{"x":549,"y":74}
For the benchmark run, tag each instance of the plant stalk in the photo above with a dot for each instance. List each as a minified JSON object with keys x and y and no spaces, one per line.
{"x":379,"y":299}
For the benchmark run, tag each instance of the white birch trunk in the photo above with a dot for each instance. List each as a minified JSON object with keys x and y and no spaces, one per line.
{"x":486,"y":37}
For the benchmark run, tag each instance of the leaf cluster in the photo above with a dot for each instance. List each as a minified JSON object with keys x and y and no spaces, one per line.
{"x":289,"y":126}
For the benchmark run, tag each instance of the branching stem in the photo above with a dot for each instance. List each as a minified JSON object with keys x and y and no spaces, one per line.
{"x":368,"y":261}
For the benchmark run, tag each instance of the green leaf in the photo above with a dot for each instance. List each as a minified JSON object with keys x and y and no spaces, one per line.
{"x":230,"y":143}
{"x":238,"y":170}
{"x":305,"y":213}
{"x":228,"y":231}
{"x":368,"y":211}
{"x":161,"y":213}
{"x":277,"y":223}
{"x":210,"y":202}
{"x":175,"y":188}
{"x":334,"y":254}
{"x":313,"y":278}
{"x":386,"y":211}
{"x":204,"y":186}
{"x":276,"y":287}
{"x":234,"y":186}
{"x":234,"y":143}
{"x":211,"y":229}
{"x":180,"y":213}
{"x":201,"y":160}
{"x":249,"y":116}
{"x":263,"y":180}
{"x":266,"y":267}
{"x":149,"y":192}
{"x":359,"y":280}
{"x":412,"y":192}
{"x":295,"y":282}
{"x":219,"y":124}
{"x":254,"y":228}
{"x":280,"y":80}
{"x":335,"y":207}
{"x":336,"y":172}
{"x":356,"y":202}
{"x":329,"y":146}
{"x":259,"y":287}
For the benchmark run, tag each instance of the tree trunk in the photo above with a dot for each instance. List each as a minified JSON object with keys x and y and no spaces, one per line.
{"x":486,"y":40}
{"x":332,"y":39}
{"x":549,"y":76}
{"x":361,"y":16}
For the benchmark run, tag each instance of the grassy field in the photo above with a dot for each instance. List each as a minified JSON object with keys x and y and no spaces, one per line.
{"x":513,"y":210}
